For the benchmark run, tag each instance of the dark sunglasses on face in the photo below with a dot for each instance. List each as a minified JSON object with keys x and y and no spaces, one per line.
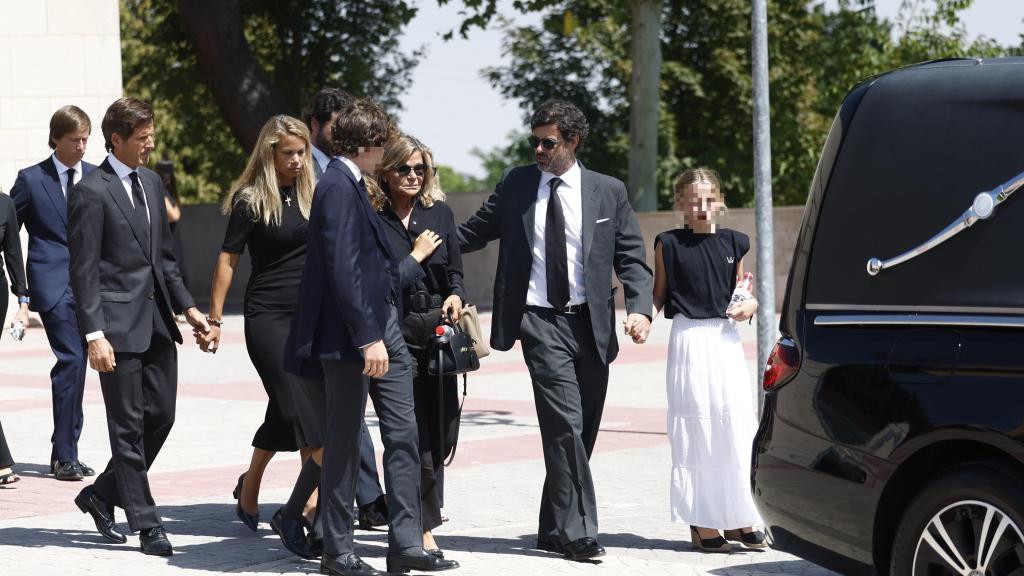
{"x":419,"y":169}
{"x":548,"y":143}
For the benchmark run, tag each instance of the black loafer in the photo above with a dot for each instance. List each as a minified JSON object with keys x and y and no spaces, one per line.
{"x":292,"y":536}
{"x":434,"y":552}
{"x":85,"y":468}
{"x":348,"y":565}
{"x":550,"y":544}
{"x":102,"y":514}
{"x":154,"y":542}
{"x":583,"y":549}
{"x":251,"y":521}
{"x":374,"y":514}
{"x":402,"y":563}
{"x":67,"y":471}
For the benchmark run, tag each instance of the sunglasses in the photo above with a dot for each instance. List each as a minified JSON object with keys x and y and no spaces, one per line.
{"x":419,"y":169}
{"x":548,"y":143}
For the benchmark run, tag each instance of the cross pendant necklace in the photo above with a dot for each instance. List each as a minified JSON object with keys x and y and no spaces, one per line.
{"x":288,"y":200}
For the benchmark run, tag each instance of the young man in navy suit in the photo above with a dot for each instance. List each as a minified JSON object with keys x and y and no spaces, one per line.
{"x":40,"y":194}
{"x":347,"y":322}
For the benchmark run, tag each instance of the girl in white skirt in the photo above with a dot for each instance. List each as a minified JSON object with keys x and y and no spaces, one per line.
{"x":711,"y":413}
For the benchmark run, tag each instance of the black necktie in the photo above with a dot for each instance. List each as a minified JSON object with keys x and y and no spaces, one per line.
{"x":71,"y":182}
{"x":140,"y":205}
{"x":555,"y":251}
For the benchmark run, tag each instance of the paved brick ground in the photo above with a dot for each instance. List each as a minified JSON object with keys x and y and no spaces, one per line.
{"x":493,"y":487}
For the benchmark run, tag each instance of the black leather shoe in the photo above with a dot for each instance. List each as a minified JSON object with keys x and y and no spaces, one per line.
{"x":374,"y":514}
{"x":434,"y":552}
{"x":250,"y":520}
{"x":154,"y":542}
{"x":348,"y":565}
{"x":85,"y":468}
{"x":550,"y":544}
{"x":67,"y":471}
{"x":401,"y":563}
{"x":582,"y":549}
{"x":313,"y":540}
{"x":102,"y":514}
{"x":292,"y":536}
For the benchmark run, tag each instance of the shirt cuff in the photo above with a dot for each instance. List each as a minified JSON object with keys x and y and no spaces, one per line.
{"x":94,"y":336}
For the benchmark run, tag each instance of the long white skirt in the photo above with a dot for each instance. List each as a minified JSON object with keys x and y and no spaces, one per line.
{"x":711,"y":425}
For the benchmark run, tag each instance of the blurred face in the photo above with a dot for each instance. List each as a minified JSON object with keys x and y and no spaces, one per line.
{"x":369,"y":159}
{"x":134,"y":150}
{"x":289,"y":156}
{"x":701,"y":204}
{"x":553,"y":154}
{"x":70,"y":148}
{"x":409,"y":185}
{"x":321,"y":133}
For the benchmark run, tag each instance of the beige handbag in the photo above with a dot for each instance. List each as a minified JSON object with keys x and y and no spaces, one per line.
{"x":470,"y":324}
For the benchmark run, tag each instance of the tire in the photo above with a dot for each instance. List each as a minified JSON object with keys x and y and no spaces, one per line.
{"x":967,"y":508}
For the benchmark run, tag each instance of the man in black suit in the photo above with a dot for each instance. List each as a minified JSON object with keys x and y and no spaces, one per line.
{"x":563,"y":229}
{"x":347,"y":321}
{"x":127,"y":289}
{"x":319,"y":117}
{"x":40,"y":194}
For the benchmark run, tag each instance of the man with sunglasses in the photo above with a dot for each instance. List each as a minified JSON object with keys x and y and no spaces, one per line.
{"x":563,"y":229}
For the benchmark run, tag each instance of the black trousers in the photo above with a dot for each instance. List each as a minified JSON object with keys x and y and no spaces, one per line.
{"x":437,"y":412}
{"x":569,"y":386}
{"x":67,"y":378}
{"x":6,"y":460}
{"x":139,"y":395}
{"x":393,"y":401}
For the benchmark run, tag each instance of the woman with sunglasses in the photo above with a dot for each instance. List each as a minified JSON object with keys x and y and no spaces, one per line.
{"x":420,"y":224}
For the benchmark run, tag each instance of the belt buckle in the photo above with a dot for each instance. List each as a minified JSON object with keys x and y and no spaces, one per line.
{"x":572,"y":309}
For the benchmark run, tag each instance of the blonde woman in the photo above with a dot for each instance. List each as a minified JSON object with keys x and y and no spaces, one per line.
{"x":268,"y":208}
{"x":419,"y":224}
{"x":711,"y":418}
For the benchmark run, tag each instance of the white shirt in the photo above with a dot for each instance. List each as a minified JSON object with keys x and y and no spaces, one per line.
{"x":352,"y":166}
{"x":62,"y":174}
{"x":123,"y":172}
{"x":570,"y":193}
{"x":321,"y":159}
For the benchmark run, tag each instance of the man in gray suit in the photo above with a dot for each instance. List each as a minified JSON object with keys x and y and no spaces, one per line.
{"x":563,"y":229}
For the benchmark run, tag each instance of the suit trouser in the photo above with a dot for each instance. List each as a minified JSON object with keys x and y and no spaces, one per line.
{"x":140,"y":398}
{"x":569,"y":386}
{"x":368,"y":485}
{"x":67,"y":378}
{"x":393,"y":401}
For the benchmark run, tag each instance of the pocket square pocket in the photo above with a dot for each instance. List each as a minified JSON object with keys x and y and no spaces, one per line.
{"x":599,"y":220}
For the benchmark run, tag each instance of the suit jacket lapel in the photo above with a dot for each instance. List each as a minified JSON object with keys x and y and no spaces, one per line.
{"x":591,"y":201}
{"x":364,"y":200}
{"x":51,"y":183}
{"x":120,"y":196}
{"x":529,"y":199}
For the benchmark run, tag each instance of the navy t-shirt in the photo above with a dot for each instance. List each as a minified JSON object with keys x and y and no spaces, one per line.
{"x":701,"y":270}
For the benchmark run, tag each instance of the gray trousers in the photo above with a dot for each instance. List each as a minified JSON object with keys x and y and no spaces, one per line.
{"x":393,"y":401}
{"x":569,"y":386}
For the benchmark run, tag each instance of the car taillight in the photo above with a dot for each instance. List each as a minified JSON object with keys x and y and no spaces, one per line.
{"x":782,"y":364}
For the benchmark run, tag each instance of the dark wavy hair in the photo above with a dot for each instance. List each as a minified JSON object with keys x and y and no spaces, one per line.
{"x":569,"y":119}
{"x":363,"y":123}
{"x":123,"y":117}
{"x":324,"y":103}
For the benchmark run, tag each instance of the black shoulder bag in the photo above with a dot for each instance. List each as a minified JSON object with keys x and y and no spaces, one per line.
{"x":451,"y":354}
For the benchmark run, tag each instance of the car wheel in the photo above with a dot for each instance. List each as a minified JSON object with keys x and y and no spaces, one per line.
{"x":967,"y":522}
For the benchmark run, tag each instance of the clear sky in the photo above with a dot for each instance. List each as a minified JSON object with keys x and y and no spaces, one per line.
{"x":453,"y":109}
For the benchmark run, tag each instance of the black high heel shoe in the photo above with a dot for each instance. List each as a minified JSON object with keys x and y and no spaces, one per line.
{"x":716,"y":544}
{"x":251,"y":521}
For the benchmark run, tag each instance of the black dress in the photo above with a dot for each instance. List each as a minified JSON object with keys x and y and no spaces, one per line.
{"x":426,"y":285}
{"x":295,"y":416}
{"x":10,"y":246}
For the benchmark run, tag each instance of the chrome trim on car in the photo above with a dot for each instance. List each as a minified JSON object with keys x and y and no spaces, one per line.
{"x":966,"y":320}
{"x":900,"y":308}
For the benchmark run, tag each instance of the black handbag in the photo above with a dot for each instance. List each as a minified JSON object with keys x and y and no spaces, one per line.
{"x":452,"y":351}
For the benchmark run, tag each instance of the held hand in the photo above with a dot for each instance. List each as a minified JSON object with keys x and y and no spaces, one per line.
{"x":22,"y":316}
{"x":425,"y":245}
{"x":453,"y":306}
{"x":197,"y":320}
{"x":101,"y":356}
{"x":638,"y":327}
{"x":743,"y":310}
{"x":375,"y":358}
{"x":209,"y":342}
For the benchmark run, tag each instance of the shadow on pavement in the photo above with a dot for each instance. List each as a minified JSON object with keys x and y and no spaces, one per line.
{"x":520,"y":546}
{"x":780,"y":567}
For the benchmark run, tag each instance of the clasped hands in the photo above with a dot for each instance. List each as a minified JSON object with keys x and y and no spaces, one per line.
{"x":101,"y":353}
{"x":637,"y":326}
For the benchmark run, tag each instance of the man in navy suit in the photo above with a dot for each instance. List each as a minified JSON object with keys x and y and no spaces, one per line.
{"x":347,"y":321}
{"x":40,"y":194}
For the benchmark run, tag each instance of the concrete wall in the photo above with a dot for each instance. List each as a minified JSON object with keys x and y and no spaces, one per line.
{"x":202,"y":229}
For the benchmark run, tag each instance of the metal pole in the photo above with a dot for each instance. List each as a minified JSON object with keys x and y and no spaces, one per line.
{"x":766,"y":328}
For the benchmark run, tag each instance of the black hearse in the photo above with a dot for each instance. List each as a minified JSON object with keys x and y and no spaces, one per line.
{"x":892,"y":437}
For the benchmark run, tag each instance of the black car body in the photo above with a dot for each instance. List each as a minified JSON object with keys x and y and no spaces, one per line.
{"x":894,"y":415}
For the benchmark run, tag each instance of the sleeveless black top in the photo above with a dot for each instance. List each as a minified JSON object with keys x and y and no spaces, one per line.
{"x":701,"y":270}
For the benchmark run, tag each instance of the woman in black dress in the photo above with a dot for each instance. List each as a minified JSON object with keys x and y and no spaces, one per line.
{"x":268,"y":209}
{"x":420,"y":224}
{"x":10,"y":253}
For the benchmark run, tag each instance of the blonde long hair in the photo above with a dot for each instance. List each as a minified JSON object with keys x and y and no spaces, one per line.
{"x":258,"y":188}
{"x":396,"y":153}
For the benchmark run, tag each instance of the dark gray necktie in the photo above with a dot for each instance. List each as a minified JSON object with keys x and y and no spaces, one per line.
{"x":555,"y":257}
{"x":71,"y":182}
